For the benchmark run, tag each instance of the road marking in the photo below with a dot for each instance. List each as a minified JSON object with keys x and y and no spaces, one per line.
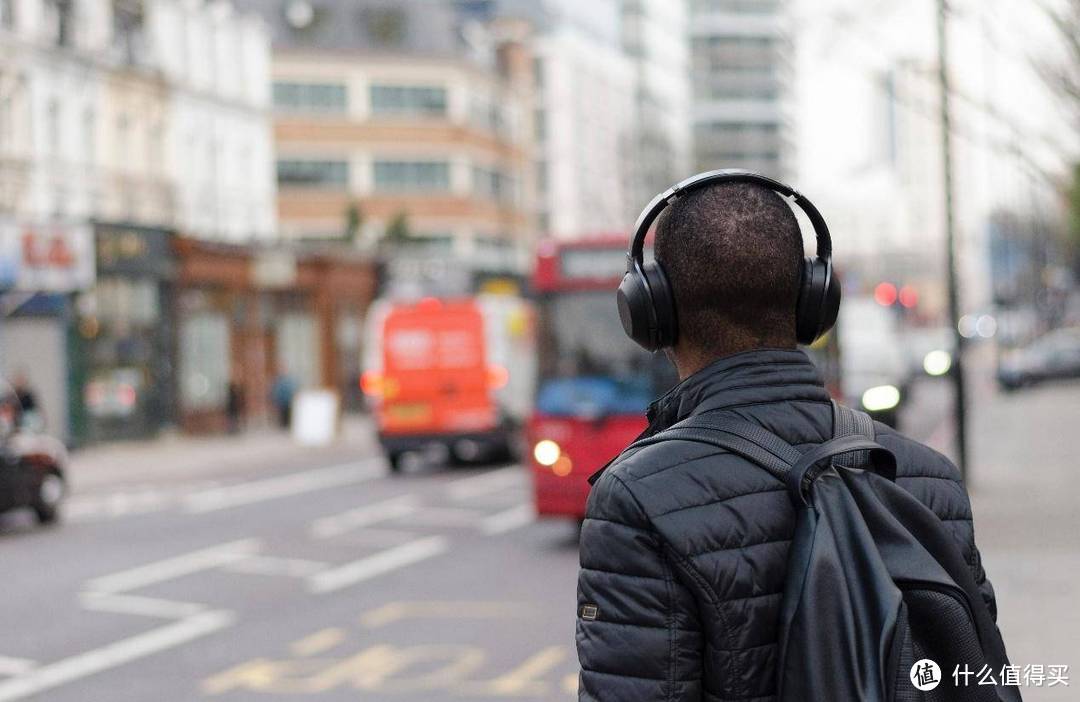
{"x":366,"y":515}
{"x":397,"y":611}
{"x":486,"y":483}
{"x":508,"y":520}
{"x":15,"y":666}
{"x":446,"y":517}
{"x":319,"y":642}
{"x":113,"y":655}
{"x":138,"y":605}
{"x":283,"y":486}
{"x":273,"y":565}
{"x":378,"y":564}
{"x":523,"y":680}
{"x":174,"y":567}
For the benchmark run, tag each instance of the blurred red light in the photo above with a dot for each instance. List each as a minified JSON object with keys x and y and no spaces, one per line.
{"x":909,"y":296}
{"x":371,"y":383}
{"x":885,"y":294}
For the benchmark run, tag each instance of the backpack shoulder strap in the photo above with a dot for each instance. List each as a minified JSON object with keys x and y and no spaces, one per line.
{"x":849,"y":422}
{"x":752,"y":442}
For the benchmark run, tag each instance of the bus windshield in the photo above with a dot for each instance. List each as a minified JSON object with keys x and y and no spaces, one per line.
{"x":588,"y":367}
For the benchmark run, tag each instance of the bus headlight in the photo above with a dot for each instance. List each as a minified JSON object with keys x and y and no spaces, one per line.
{"x":546,"y":452}
{"x":937,"y":362}
{"x":880,"y":398}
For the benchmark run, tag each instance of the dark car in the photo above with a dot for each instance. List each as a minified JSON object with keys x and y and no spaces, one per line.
{"x":31,"y":466}
{"x":1055,"y":355}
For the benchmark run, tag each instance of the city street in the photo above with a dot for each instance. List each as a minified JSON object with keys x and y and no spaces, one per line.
{"x":259,"y":571}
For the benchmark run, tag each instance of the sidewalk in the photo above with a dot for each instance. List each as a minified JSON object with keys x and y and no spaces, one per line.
{"x":181,"y":458}
{"x":1024,"y":487}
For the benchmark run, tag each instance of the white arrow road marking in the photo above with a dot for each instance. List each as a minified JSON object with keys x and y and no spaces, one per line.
{"x":366,"y":515}
{"x":138,"y":605}
{"x":273,"y":565}
{"x":107,"y":594}
{"x":382,"y":562}
{"x":15,"y":666}
{"x":283,"y":486}
{"x":175,"y":567}
{"x":37,"y":680}
{"x":508,"y":520}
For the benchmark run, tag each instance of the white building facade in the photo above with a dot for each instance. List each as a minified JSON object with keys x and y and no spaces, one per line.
{"x":655,"y":37}
{"x":122,"y":122}
{"x":220,"y":142}
{"x":585,"y":117}
{"x":742,"y":79}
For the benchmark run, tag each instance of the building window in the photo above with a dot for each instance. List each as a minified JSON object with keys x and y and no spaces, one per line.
{"x":314,"y":97}
{"x":412,"y":176}
{"x":7,"y":14}
{"x":722,"y":53}
{"x":408,"y":100}
{"x":52,"y":127}
{"x":493,"y":185}
{"x":204,"y":361}
{"x":129,"y":21}
{"x":89,"y":136}
{"x":741,"y":7}
{"x":540,"y":124}
{"x":58,"y":19}
{"x":298,"y":172}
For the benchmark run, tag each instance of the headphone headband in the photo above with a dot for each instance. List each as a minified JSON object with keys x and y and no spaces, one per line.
{"x":731,"y":175}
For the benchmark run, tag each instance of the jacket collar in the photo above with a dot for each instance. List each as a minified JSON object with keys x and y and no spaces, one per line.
{"x":749,"y":377}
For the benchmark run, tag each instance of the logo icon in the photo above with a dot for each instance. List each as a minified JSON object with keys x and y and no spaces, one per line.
{"x":925,"y":675}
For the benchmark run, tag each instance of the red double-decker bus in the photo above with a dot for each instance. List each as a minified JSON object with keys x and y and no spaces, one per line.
{"x":593,"y":383}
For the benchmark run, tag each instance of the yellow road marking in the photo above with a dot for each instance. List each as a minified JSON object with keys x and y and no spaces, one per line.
{"x":523,"y":680}
{"x":397,"y":611}
{"x":319,"y":642}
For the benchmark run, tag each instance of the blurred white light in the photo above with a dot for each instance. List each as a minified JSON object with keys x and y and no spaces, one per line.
{"x":546,"y":452}
{"x":881,"y":397}
{"x":937,"y":362}
{"x":299,"y":13}
{"x":966,"y":326}
{"x":986,"y":327}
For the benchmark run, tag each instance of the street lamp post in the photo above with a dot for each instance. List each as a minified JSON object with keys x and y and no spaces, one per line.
{"x":959,"y":388}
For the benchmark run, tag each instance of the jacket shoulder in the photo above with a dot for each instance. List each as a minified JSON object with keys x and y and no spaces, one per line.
{"x":931,"y":478}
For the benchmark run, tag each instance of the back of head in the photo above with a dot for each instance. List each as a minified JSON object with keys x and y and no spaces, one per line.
{"x":733,"y":254}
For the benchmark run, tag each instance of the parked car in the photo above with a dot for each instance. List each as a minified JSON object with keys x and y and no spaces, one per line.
{"x":32,"y":465}
{"x":1055,"y":355}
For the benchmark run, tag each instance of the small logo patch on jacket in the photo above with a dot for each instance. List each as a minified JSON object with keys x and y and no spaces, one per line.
{"x":589,"y":612}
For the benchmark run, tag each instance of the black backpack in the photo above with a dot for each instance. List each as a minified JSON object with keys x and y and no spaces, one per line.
{"x":875,"y":583}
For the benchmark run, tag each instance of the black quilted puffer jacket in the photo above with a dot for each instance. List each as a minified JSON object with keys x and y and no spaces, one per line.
{"x":684,"y":547}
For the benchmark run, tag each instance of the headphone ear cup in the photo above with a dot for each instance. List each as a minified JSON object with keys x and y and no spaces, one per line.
{"x":831,"y":304}
{"x":663,"y":303}
{"x":808,"y":309}
{"x":634,"y":310}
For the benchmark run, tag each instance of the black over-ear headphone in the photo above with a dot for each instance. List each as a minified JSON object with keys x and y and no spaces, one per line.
{"x":647,"y":302}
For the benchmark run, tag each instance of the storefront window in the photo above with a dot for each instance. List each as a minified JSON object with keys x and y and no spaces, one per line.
{"x":298,"y":349}
{"x":204,"y":360}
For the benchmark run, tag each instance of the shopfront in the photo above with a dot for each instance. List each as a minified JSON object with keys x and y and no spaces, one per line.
{"x":41,"y":266}
{"x":125,"y":357}
{"x":246,"y":316}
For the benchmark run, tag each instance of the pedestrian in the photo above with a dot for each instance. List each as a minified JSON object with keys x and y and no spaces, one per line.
{"x":281,"y":397}
{"x":234,"y":405}
{"x":685,"y":546}
{"x":25,"y":392}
